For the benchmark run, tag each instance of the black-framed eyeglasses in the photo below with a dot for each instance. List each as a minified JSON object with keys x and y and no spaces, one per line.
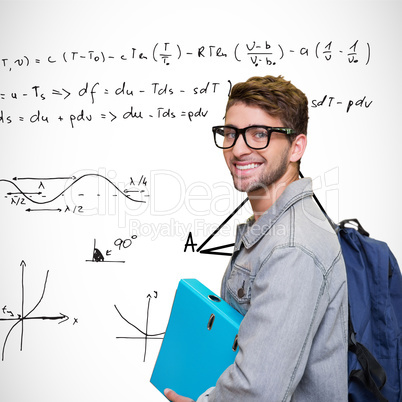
{"x":255,"y":137}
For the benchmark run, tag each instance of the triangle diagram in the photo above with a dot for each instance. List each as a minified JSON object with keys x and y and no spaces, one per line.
{"x":218,"y":250}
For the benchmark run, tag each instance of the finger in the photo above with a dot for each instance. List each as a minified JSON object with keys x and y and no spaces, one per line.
{"x":174,"y":397}
{"x":170,"y":394}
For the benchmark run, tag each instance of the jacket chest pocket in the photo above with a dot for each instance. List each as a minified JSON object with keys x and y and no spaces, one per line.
{"x":239,"y":285}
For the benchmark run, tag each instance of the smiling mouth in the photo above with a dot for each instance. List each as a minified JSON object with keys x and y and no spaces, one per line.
{"x":248,"y":166}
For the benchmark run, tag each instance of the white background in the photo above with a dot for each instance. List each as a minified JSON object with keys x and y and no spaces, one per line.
{"x":352,"y":157}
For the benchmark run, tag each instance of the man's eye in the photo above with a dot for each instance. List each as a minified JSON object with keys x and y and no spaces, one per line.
{"x":260,"y":134}
{"x":230,"y":135}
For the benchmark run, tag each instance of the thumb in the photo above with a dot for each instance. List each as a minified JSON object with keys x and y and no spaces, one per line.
{"x":174,"y":397}
{"x":169,"y":394}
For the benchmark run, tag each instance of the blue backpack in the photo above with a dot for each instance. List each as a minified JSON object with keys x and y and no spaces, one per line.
{"x":375,"y":316}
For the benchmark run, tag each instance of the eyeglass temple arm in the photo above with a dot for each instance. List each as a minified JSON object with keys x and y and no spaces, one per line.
{"x":283,"y":130}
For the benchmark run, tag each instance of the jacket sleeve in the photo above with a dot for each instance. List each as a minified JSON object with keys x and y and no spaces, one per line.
{"x":288,"y":301}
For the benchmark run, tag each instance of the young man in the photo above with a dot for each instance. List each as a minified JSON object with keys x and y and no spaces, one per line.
{"x":287,"y":275}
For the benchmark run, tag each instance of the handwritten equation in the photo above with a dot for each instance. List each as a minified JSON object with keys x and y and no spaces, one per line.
{"x":94,"y":92}
{"x":83,"y":117}
{"x":256,"y":52}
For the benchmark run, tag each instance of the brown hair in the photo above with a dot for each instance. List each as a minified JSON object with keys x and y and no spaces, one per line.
{"x":277,"y":97}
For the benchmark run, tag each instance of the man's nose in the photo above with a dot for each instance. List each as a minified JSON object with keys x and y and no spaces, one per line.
{"x":241,"y":148}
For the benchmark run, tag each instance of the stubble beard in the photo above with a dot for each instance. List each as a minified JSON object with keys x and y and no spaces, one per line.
{"x":265,"y":179}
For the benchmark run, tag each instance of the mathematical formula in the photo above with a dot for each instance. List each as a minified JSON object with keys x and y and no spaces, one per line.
{"x":255,"y":52}
{"x":133,"y":113}
{"x":93,"y":90}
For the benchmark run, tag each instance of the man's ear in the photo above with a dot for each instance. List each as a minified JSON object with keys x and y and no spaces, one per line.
{"x":298,"y":148}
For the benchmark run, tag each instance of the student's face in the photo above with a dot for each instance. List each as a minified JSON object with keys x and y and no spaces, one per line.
{"x":252,"y":169}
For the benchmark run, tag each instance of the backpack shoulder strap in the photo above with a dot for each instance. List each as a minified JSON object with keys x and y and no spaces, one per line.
{"x":371,"y":375}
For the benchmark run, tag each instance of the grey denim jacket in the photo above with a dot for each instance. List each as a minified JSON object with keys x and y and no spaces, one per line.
{"x":287,"y":277}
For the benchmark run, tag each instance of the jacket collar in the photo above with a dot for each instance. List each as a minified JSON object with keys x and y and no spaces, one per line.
{"x":251,"y":232}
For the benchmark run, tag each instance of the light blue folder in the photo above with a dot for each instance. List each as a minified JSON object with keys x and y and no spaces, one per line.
{"x":200,"y":341}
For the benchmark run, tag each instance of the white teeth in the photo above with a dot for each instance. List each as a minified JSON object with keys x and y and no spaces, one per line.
{"x":250,"y":166}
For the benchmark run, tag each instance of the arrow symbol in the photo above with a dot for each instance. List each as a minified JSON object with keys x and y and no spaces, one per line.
{"x":68,"y":93}
{"x":20,"y":192}
{"x":45,"y":178}
{"x":114,"y":116}
{"x":43,"y":210}
{"x":56,"y":92}
{"x":62,"y":317}
{"x":66,"y":318}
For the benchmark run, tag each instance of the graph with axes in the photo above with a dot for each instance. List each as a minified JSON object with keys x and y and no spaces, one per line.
{"x":19,"y":319}
{"x":145,"y":335}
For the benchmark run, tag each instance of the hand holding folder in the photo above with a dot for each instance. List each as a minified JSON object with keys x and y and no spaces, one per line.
{"x":200,"y":341}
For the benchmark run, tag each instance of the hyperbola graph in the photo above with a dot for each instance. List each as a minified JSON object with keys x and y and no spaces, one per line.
{"x":43,"y":194}
{"x":145,"y":335}
{"x":20,"y":318}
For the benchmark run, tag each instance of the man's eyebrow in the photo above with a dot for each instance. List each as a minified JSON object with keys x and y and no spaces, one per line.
{"x":250,"y":125}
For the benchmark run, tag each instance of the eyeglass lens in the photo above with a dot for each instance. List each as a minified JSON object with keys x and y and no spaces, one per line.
{"x":256,"y":137}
